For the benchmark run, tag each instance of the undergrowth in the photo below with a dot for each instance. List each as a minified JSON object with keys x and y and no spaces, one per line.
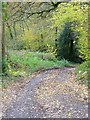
{"x":82,"y":73}
{"x":22,"y":64}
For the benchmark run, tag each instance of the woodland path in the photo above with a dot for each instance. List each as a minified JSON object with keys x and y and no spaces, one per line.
{"x":50,"y":94}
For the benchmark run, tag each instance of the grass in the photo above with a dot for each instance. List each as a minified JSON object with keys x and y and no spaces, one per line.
{"x":31,"y":61}
{"x":24,"y":63}
{"x":82,"y":73}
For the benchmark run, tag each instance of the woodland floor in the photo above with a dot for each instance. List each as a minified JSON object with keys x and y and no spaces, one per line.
{"x":49,"y":94}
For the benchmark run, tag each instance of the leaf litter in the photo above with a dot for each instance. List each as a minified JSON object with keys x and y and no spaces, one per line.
{"x":55,"y":94}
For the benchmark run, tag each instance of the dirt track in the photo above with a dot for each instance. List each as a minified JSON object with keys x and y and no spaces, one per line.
{"x":50,"y":94}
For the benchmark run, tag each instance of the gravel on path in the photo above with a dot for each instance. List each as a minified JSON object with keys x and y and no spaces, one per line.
{"x":50,"y":94}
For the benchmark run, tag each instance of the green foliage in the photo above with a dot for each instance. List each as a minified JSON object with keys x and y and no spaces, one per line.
{"x":78,"y":14}
{"x":19,"y":45}
{"x":30,"y":40}
{"x":23,"y":63}
{"x":40,"y":36}
{"x":52,"y":50}
{"x":5,"y":66}
{"x":67,"y":43}
{"x":4,"y":11}
{"x":82,"y":72}
{"x":35,"y":37}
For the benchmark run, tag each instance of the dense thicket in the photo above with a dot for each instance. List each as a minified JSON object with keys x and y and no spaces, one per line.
{"x":67,"y":44}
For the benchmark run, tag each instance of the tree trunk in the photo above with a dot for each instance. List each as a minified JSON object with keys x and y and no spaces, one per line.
{"x":0,"y":47}
{"x":11,"y":35}
{"x":56,"y":44}
{"x":3,"y":47}
{"x":71,"y":50}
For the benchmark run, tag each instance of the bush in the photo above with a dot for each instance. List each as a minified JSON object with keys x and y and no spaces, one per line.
{"x":67,"y":43}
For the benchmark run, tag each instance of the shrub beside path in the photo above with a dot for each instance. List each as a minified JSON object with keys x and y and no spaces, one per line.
{"x":49,"y":94}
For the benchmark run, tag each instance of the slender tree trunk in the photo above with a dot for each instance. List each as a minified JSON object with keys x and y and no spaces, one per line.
{"x":56,"y":37}
{"x":0,"y":40}
{"x":11,"y":35}
{"x":71,"y":50}
{"x":14,"y":28}
{"x":56,"y":45}
{"x":88,"y":72}
{"x":3,"y":47}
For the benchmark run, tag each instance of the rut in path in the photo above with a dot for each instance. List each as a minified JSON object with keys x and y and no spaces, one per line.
{"x":51,"y":94}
